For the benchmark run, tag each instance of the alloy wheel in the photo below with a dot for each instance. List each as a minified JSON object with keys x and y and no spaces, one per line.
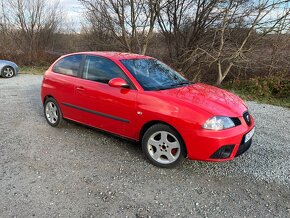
{"x":51,"y":112}
{"x":163,"y":147}
{"x":8,"y":72}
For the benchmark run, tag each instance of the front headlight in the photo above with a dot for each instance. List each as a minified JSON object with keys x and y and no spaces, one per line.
{"x":218,"y":123}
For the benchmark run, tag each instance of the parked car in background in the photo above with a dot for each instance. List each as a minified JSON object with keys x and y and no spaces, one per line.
{"x":141,"y":98}
{"x":8,"y":69}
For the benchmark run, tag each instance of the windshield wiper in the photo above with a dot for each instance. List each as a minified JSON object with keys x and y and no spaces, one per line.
{"x":182,"y":84}
{"x":174,"y":85}
{"x":163,"y":88}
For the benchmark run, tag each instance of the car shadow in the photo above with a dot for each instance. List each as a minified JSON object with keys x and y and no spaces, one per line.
{"x":134,"y":146}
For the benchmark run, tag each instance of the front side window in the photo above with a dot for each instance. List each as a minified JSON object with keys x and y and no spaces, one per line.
{"x":69,"y":65}
{"x":153,"y":74}
{"x":101,"y":70}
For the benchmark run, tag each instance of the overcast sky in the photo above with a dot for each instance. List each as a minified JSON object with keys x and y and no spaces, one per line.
{"x":73,"y":11}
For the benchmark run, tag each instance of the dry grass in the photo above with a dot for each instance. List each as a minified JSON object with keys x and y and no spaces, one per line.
{"x":35,"y":70}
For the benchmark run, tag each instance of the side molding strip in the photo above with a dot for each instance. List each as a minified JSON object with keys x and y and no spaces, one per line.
{"x":96,"y":113}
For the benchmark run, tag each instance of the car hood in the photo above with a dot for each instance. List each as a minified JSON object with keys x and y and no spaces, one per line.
{"x":209,"y":98}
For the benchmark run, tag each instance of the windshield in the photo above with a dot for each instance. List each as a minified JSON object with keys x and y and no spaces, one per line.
{"x":154,"y":75}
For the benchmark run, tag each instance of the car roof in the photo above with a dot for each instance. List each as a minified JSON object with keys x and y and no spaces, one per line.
{"x":114,"y":55}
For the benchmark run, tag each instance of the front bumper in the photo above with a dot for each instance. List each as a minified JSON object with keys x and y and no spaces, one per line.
{"x":225,"y":151}
{"x":17,"y":70}
{"x":207,"y":145}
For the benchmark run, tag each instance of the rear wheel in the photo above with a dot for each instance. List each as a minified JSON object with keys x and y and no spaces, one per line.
{"x":7,"y":72}
{"x":163,"y":146}
{"x":52,"y":112}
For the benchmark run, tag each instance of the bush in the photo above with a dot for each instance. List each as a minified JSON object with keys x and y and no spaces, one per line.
{"x":274,"y":89}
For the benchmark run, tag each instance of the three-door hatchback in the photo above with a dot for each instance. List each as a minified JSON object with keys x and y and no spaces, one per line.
{"x":141,"y":98}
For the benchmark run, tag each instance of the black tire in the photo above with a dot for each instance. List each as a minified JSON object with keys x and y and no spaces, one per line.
{"x":164,"y":151}
{"x":53,"y":117}
{"x":4,"y":74}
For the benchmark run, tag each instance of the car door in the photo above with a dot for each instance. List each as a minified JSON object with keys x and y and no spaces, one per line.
{"x":66,"y":74}
{"x":108,"y":108}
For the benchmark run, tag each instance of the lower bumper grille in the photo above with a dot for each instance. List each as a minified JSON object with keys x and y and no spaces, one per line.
{"x":223,"y":152}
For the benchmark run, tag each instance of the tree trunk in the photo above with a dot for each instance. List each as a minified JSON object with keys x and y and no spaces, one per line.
{"x":222,"y":74}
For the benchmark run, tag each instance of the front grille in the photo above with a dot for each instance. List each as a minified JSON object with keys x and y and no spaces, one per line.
{"x":247,"y":118}
{"x":223,"y":152}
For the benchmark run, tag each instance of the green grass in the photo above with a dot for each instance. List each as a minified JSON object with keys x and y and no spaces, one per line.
{"x":273,"y":90}
{"x":35,"y":70}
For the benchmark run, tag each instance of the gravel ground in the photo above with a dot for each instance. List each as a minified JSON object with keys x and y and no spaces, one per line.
{"x":77,"y":171}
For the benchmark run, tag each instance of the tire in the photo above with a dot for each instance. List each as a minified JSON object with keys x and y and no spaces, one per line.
{"x":163,"y":146}
{"x":7,"y":72}
{"x":52,"y":112}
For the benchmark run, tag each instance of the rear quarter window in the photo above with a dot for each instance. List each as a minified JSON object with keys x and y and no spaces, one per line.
{"x":69,"y":65}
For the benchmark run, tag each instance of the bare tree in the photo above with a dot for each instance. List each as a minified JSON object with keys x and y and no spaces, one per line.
{"x":130,"y":22}
{"x":183,"y":24}
{"x":33,"y":23}
{"x":279,"y":43}
{"x":205,"y":39}
{"x":240,"y":26}
{"x":4,"y":25}
{"x":255,"y":19}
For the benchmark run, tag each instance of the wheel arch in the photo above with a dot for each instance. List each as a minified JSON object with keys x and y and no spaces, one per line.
{"x":7,"y":65}
{"x":46,"y":97}
{"x":147,"y":125}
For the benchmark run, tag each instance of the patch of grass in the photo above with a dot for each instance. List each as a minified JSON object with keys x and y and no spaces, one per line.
{"x":271,"y":90}
{"x":35,"y":70}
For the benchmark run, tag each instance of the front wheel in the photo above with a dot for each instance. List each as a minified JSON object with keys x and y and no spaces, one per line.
{"x":163,"y":146}
{"x":52,"y":112}
{"x":7,"y":72}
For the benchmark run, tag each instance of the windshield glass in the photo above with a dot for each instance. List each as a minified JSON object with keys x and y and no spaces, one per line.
{"x":153,"y":74}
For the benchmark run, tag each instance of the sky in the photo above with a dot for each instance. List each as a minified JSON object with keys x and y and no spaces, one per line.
{"x":73,"y":11}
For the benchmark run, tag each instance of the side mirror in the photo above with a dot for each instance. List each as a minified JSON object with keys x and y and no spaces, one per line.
{"x":118,"y":83}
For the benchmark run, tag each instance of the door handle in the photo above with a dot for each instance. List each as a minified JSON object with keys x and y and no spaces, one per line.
{"x":80,"y":88}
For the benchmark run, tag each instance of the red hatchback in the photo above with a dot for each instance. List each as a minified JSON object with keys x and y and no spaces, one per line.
{"x":141,"y":98}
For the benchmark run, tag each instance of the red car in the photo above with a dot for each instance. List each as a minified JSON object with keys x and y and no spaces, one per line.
{"x":141,"y":98}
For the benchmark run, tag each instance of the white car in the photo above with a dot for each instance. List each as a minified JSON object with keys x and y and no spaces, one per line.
{"x":8,"y":69}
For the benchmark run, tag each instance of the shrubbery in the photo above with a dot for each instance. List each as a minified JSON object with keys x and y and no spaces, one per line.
{"x":273,"y":89}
